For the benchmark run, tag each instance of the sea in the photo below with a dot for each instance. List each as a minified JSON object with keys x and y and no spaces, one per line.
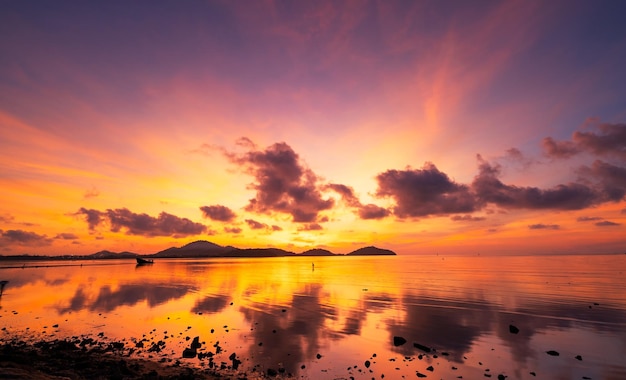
{"x":343,"y":317}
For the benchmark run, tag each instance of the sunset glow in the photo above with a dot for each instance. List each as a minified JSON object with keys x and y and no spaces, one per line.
{"x":420,"y":127}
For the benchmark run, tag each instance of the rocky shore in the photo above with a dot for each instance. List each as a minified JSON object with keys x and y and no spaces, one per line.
{"x":66,"y":359}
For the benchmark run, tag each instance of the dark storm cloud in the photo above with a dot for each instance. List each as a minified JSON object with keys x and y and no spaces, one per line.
{"x":142,"y":224}
{"x":23,"y":238}
{"x":423,"y":192}
{"x":282,"y":182}
{"x":607,"y":139}
{"x":607,"y":223}
{"x":489,"y":189}
{"x":66,"y":236}
{"x":218,"y":212}
{"x":467,"y":218}
{"x":253,"y":224}
{"x":541,"y":226}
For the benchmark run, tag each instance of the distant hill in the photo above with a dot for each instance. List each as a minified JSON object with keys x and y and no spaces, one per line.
{"x":200,"y":248}
{"x":371,"y":251}
{"x":111,"y":255}
{"x":258,"y":252}
{"x":203,"y":248}
{"x":317,"y":252}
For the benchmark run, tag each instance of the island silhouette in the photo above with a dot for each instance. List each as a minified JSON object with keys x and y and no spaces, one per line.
{"x":203,"y":248}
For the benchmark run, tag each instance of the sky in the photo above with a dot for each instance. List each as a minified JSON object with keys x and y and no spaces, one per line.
{"x":425,"y":127}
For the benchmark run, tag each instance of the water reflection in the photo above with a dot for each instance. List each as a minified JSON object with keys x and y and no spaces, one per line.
{"x":281,"y":314}
{"x":109,"y":299}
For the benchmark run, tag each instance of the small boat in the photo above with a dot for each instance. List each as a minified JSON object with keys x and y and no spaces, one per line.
{"x":142,"y":261}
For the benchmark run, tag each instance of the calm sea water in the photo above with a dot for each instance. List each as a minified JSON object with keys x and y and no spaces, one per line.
{"x":327,"y":320}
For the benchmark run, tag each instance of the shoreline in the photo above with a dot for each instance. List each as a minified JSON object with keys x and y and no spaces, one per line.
{"x":71,"y":359}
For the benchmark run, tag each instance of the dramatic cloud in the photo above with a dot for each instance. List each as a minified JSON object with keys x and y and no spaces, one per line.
{"x":66,"y":236}
{"x":467,"y":218}
{"x":607,"y":223}
{"x":23,"y":238}
{"x":282,"y":182}
{"x":423,"y":192}
{"x":276,"y":228}
{"x":218,"y":212}
{"x":608,"y":140}
{"x":544,"y":226}
{"x":142,"y":224}
{"x":489,"y":189}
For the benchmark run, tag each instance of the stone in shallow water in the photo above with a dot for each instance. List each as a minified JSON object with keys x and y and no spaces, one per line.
{"x":398,"y":341}
{"x":552,"y":353}
{"x":189,"y":353}
{"x":513,"y":329}
{"x":421,"y":347}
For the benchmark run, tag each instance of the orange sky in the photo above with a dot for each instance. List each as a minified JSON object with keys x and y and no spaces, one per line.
{"x":414,"y":126}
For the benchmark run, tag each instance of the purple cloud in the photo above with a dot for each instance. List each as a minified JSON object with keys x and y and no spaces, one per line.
{"x":66,"y":236}
{"x":467,"y":218}
{"x":608,"y":139}
{"x":346,"y":193}
{"x":559,"y":149}
{"x":607,"y":223}
{"x":541,"y":226}
{"x":311,"y":227}
{"x":218,"y":212}
{"x":423,"y":192}
{"x":143,"y":224}
{"x":253,"y":224}
{"x":611,"y":179}
{"x":489,"y":189}
{"x":282,"y":182}
{"x":588,"y":218}
{"x":93,"y":217}
{"x":23,"y":238}
{"x":233,"y":230}
{"x":371,"y":211}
